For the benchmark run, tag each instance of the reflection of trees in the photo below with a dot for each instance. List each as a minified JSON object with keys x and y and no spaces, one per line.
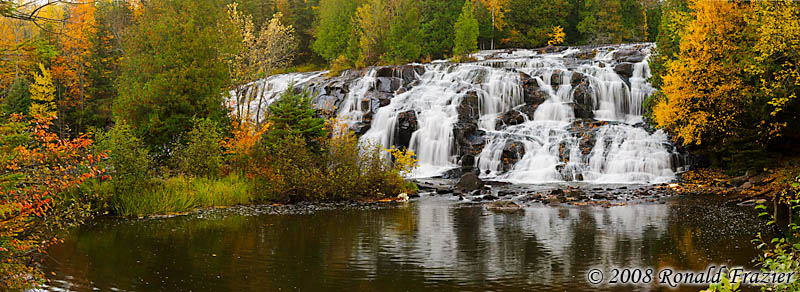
{"x":432,"y":244}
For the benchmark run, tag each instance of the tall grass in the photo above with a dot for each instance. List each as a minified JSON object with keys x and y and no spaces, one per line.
{"x":182,"y":194}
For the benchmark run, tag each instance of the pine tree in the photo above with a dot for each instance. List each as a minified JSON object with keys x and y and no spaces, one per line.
{"x":292,"y":116}
{"x":466,"y":31}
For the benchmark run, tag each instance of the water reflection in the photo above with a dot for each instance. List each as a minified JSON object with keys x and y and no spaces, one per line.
{"x":434,"y":243}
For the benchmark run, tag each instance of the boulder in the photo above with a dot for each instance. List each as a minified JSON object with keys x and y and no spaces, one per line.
{"x":624,"y":69}
{"x":406,"y":125}
{"x":469,"y":182}
{"x":629,"y":55}
{"x":468,"y":137}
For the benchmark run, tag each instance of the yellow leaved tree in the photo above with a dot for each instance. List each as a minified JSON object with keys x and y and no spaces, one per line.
{"x":43,"y":94}
{"x":557,"y":36}
{"x":704,"y":88}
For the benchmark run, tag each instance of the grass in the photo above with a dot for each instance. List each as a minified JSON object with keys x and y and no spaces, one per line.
{"x":182,"y":194}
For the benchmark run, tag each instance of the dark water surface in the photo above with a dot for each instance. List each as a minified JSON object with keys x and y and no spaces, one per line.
{"x":432,"y":244}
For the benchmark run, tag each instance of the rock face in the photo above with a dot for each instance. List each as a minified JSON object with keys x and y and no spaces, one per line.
{"x":406,"y":124}
{"x":469,"y":182}
{"x":583,"y":95}
{"x":469,"y":138}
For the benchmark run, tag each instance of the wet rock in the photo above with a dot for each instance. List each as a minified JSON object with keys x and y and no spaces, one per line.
{"x":583,"y":54}
{"x":444,"y":191}
{"x":503,"y":206}
{"x":469,"y":182}
{"x":388,"y":84}
{"x":512,"y":117}
{"x":532,"y":94}
{"x":629,"y":55}
{"x":468,"y":136}
{"x":513,"y":151}
{"x":468,"y":161}
{"x":453,"y":173}
{"x":624,"y":69}
{"x":555,"y":79}
{"x":489,"y":198}
{"x":406,"y":125}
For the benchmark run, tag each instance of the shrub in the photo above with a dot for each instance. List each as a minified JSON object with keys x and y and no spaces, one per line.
{"x":202,"y":155}
{"x":129,"y":160}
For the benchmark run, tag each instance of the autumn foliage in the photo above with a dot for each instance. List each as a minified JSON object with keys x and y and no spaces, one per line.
{"x":36,"y":168}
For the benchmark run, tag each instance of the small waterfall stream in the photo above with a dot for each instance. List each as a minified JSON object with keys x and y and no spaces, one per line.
{"x":521,"y":116}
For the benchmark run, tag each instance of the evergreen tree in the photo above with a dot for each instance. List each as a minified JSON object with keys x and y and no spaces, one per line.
{"x":437,"y":20}
{"x":466,"y":31}
{"x":404,"y":42}
{"x":292,"y":116}
{"x":18,"y":99}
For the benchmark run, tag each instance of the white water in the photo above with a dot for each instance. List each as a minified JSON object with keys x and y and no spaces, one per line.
{"x":620,"y":152}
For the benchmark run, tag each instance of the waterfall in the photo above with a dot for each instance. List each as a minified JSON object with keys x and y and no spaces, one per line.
{"x":521,"y":116}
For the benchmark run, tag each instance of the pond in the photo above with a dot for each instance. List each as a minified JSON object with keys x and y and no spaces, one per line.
{"x":433,"y":243}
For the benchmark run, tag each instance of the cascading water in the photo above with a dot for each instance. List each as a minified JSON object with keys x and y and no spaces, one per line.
{"x":520,"y":116}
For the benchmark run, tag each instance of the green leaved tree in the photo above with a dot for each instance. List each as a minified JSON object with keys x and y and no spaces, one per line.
{"x":466,"y":31}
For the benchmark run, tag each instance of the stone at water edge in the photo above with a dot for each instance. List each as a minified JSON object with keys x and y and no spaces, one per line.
{"x":469,"y":182}
{"x":402,"y":197}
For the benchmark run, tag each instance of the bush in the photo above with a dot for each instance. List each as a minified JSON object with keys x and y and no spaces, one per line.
{"x":290,"y":171}
{"x":202,"y":155}
{"x":129,"y":160}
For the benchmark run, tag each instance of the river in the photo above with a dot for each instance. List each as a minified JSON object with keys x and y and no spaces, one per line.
{"x":434,"y":243}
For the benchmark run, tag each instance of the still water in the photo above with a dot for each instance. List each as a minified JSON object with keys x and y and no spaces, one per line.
{"x":432,"y":244}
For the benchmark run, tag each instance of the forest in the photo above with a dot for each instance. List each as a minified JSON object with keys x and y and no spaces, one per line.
{"x":119,"y":107}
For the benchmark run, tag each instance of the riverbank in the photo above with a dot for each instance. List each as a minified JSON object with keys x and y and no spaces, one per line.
{"x":768,"y":183}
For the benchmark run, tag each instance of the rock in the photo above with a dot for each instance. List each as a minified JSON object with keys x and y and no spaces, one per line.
{"x":747,"y":185}
{"x":513,"y":151}
{"x":510,"y":118}
{"x":532,"y":94}
{"x":624,"y":69}
{"x":444,"y":191}
{"x":402,"y":197}
{"x":406,"y":125}
{"x":468,"y":137}
{"x":503,"y":206}
{"x":629,"y":55}
{"x":489,"y":198}
{"x":469,"y":182}
{"x":555,"y":79}
{"x":468,"y":160}
{"x":453,"y":173}
{"x":739,"y":180}
{"x":388,"y":84}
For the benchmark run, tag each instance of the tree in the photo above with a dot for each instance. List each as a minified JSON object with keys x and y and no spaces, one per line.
{"x":436,"y":25}
{"x":332,"y":33}
{"x":276,"y":45}
{"x":777,"y":49}
{"x":497,"y":10}
{"x":531,"y":22}
{"x":557,"y":36}
{"x":174,"y":70}
{"x":71,"y":67}
{"x":705,"y":88}
{"x":404,"y":42}
{"x":292,"y":116}
{"x":202,"y":155}
{"x":373,"y":22}
{"x":466,"y":31}
{"x":43,"y":94}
